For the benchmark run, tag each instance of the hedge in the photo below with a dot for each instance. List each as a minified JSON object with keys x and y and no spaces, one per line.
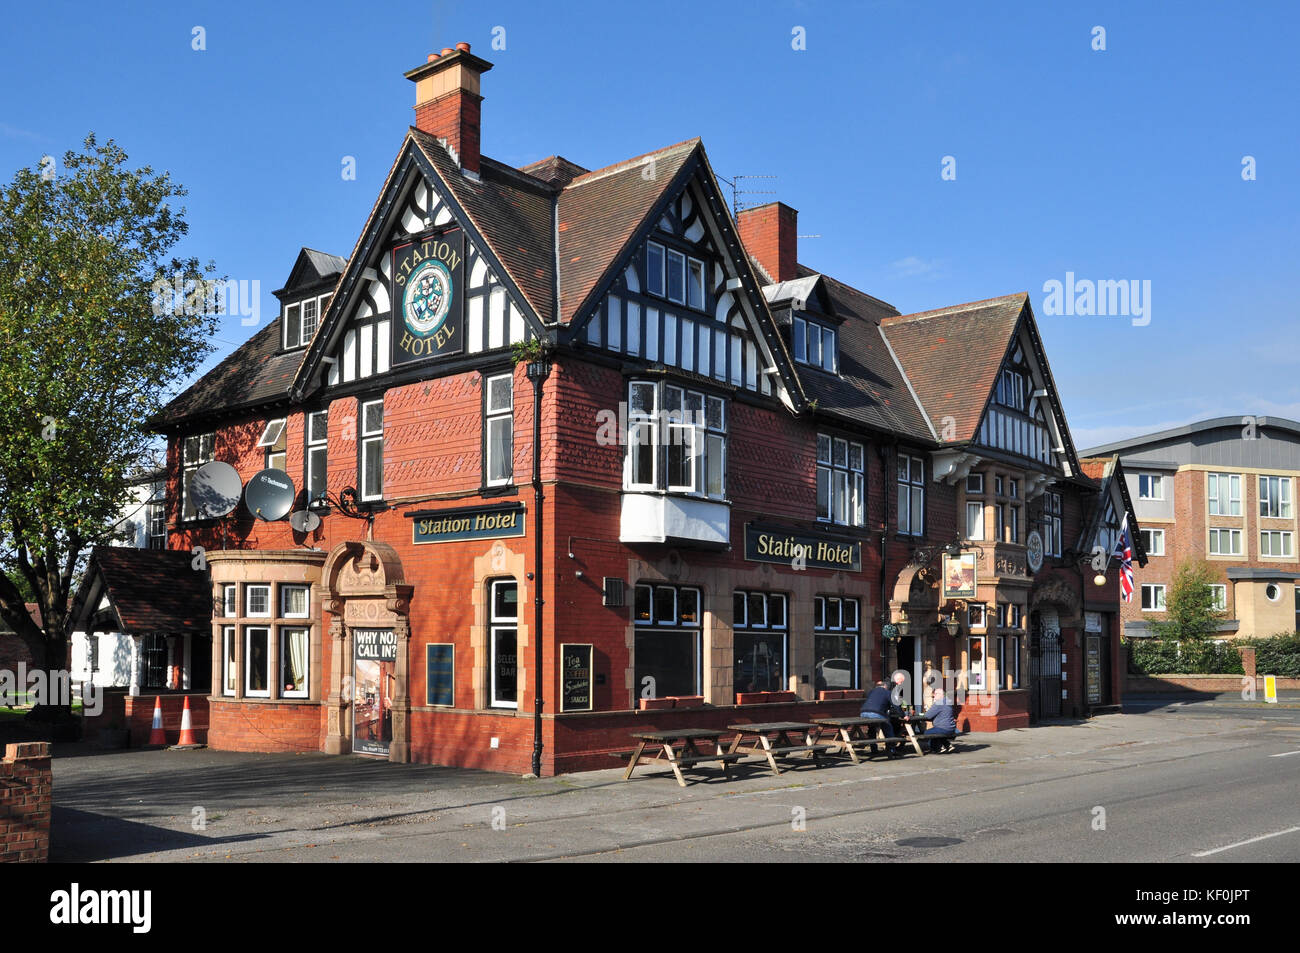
{"x":1158,"y":657}
{"x":1279,"y":655}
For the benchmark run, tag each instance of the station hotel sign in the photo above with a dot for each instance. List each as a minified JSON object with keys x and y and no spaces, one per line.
{"x":469,"y":522}
{"x":767,"y":544}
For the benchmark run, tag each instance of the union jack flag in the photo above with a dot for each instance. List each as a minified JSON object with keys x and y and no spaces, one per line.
{"x":1124,"y":553}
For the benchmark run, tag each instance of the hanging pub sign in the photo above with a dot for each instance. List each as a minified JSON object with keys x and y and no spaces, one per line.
{"x":959,"y":576}
{"x":575,"y":677}
{"x":428,"y":299}
{"x":801,"y":550}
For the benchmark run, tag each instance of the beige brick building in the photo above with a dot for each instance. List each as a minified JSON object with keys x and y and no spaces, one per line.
{"x":1221,"y":490}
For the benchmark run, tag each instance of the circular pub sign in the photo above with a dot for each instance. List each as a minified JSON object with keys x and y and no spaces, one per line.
{"x":426,"y":301}
{"x":1034,"y":550}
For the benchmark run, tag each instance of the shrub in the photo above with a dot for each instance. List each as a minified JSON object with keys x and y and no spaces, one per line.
{"x":1278,"y":655}
{"x":1162,"y":657}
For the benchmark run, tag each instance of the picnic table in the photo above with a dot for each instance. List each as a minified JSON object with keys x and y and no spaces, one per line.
{"x":686,"y":757}
{"x":852,"y":735}
{"x":908,"y":723}
{"x":760,"y":741}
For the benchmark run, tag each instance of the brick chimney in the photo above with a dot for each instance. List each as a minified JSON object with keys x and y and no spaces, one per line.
{"x":447,"y":100}
{"x":770,"y":233}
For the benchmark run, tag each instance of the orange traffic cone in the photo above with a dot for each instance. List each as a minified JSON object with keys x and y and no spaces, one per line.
{"x":157,"y":736}
{"x":187,"y":732}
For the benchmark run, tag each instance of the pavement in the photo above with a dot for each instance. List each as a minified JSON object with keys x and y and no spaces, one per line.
{"x":1201,"y":780}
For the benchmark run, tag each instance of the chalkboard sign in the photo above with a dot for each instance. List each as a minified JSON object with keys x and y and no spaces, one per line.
{"x":440,"y":679}
{"x":1092,"y":670}
{"x":575,"y":677}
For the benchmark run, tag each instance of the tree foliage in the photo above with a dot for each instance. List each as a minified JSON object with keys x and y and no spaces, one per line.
{"x":88,"y":354}
{"x":1190,"y":615}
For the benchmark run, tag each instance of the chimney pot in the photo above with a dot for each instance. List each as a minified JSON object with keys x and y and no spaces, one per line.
{"x":432,"y":57}
{"x":448,"y":103}
{"x":447,"y":51}
{"x":464,"y":47}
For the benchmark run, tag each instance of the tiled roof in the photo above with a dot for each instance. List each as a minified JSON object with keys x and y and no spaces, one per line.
{"x":513,"y":213}
{"x":154,"y":590}
{"x":952,"y":356}
{"x":325,"y":263}
{"x":870,"y":389}
{"x":556,"y":170}
{"x":253,"y":373}
{"x":600,"y":211}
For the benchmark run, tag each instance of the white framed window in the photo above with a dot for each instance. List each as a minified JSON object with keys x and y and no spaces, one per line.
{"x":156,"y":522}
{"x":257,"y":661}
{"x":1223,"y":491}
{"x":301,"y":320}
{"x":667,"y":645}
{"x":974,"y":520}
{"x":976,"y":668}
{"x":295,"y":601}
{"x":1219,"y":596}
{"x":841,"y":481}
{"x":975,"y":483}
{"x":815,"y":345}
{"x":504,"y":649}
{"x":1274,"y":543}
{"x":317,"y":455}
{"x":1225,"y":542}
{"x":273,"y":441}
{"x":498,"y":430}
{"x":654,"y":258}
{"x":695,"y":284}
{"x":1275,"y":497}
{"x":229,"y":664}
{"x":911,"y":495}
{"x":1153,"y":541}
{"x":1273,"y":592}
{"x":1013,"y":523}
{"x":676,"y":276}
{"x":976,"y":615}
{"x":1153,"y":598}
{"x":1013,"y":489}
{"x":1014,"y":616}
{"x":196,"y":450}
{"x":1052,"y":533}
{"x":836,"y":629}
{"x":676,"y":440}
{"x":228,"y":596}
{"x":759,"y":644}
{"x":257,"y":600}
{"x":295,"y":652}
{"x":1150,"y":486}
{"x":997,"y":486}
{"x":372,"y":449}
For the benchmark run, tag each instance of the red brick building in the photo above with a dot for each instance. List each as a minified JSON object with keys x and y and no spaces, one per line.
{"x":587,"y":418}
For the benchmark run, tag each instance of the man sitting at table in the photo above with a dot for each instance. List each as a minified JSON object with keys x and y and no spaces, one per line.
{"x":877,"y":704}
{"x":943,"y":721}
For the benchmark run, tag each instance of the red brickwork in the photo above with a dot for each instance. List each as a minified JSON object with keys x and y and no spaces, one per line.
{"x":771,"y":234}
{"x":455,"y":117}
{"x":25,"y":798}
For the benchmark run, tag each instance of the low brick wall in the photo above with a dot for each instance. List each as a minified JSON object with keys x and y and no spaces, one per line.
{"x":1146,"y":684}
{"x":134,"y":715}
{"x":265,"y":726}
{"x":25,"y":797}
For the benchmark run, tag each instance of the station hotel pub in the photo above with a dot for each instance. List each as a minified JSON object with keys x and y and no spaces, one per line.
{"x":588,"y":418}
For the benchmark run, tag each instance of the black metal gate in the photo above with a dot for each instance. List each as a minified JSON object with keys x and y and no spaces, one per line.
{"x":1045,"y":667}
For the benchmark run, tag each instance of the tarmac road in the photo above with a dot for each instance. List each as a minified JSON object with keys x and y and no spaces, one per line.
{"x":1178,"y":782}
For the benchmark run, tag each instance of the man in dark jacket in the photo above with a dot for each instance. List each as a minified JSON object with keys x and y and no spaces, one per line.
{"x":943,"y":721}
{"x":877,"y":704}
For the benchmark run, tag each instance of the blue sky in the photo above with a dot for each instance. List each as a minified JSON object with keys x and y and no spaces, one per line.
{"x":1115,"y":164}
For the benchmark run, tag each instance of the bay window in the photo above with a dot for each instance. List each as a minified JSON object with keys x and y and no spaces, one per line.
{"x":295,"y":647}
{"x":974,"y":520}
{"x":676,"y":440}
{"x":257,"y":661}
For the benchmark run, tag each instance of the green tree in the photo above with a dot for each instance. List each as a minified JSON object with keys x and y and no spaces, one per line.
{"x":91,"y":346}
{"x":1190,"y":615}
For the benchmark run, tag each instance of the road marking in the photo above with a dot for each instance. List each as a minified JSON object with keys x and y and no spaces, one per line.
{"x":1284,"y":754}
{"x":1219,"y":850}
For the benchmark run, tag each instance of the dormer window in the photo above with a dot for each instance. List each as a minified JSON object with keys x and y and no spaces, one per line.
{"x":673,"y":275}
{"x":301,"y":320}
{"x":816,"y":345}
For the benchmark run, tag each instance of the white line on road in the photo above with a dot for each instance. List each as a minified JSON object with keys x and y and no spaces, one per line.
{"x":1284,"y":754}
{"x":1219,"y":850}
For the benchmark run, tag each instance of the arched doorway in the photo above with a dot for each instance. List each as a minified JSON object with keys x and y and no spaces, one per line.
{"x":368,"y":705}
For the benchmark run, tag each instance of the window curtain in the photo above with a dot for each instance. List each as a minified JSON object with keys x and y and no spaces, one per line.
{"x":298,"y":659}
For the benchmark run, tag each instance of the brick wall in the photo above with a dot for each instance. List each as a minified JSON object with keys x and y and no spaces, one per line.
{"x":252,"y":726}
{"x":25,"y":799}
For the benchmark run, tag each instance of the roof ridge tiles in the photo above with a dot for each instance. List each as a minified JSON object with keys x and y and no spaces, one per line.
{"x":623,"y":164}
{"x":955,"y":308}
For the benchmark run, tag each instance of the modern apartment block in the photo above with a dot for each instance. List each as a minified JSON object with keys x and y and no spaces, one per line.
{"x":1221,"y":490}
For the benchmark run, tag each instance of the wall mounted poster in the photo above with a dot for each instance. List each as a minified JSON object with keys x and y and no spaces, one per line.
{"x":959,"y":576}
{"x":575,"y":677}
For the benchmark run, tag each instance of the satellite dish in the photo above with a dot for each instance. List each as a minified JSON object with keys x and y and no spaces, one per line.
{"x":215,"y":489}
{"x":269,"y":495}
{"x":304,"y":521}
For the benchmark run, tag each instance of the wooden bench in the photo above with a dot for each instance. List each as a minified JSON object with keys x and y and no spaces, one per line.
{"x":678,"y":750}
